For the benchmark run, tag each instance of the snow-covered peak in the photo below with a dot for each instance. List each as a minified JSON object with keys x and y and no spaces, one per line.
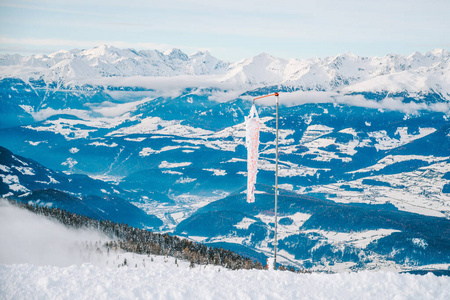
{"x":200,"y":53}
{"x":176,"y":54}
{"x":204,"y":56}
{"x":108,"y":61}
{"x":202,"y":62}
{"x":107,"y":53}
{"x":100,"y":50}
{"x":10,"y":59}
{"x":439,"y":53}
{"x":262,"y":69}
{"x":416,"y":73}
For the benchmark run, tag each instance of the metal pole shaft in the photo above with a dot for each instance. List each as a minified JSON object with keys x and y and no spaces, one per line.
{"x":275,"y":244}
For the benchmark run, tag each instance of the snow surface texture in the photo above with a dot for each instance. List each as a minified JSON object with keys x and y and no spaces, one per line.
{"x":167,"y":281}
{"x":101,"y":275}
{"x":252,"y":144}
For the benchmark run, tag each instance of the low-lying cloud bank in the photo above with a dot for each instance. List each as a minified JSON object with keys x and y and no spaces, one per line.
{"x":388,"y":103}
{"x":127,"y":101}
{"x":29,"y":238}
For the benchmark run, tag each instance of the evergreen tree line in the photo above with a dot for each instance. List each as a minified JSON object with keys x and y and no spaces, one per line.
{"x":142,"y":241}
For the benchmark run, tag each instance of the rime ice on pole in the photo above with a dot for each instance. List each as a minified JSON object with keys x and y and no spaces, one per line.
{"x":252,"y":144}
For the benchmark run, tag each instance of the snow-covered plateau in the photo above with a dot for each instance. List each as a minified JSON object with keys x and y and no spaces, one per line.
{"x":41,"y":259}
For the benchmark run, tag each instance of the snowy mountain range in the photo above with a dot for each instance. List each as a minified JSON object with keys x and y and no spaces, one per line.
{"x":415,"y":74}
{"x":165,"y":131}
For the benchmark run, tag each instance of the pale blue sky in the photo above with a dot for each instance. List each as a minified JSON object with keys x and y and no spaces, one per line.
{"x":229,"y":29}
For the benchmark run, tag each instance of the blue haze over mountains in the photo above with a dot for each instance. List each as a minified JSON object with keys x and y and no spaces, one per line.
{"x":156,"y":140}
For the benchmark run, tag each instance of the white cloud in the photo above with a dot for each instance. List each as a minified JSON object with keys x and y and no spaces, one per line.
{"x":65,"y":43}
{"x":396,"y":104}
{"x":48,"y":112}
{"x":52,"y":243}
{"x":109,"y":109}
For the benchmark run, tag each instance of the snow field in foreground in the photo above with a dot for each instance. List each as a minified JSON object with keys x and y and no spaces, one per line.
{"x":167,"y":281}
{"x":41,"y":259}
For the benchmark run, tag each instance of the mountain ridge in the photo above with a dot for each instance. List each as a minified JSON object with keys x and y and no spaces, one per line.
{"x":415,"y":73}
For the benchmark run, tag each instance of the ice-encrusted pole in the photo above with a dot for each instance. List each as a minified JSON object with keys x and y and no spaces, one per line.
{"x":252,"y":144}
{"x":275,"y":242}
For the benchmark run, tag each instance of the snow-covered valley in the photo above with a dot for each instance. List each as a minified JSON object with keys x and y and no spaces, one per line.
{"x":156,"y":140}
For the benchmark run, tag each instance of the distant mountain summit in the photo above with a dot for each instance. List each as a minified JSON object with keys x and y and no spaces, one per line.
{"x":108,"y":61}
